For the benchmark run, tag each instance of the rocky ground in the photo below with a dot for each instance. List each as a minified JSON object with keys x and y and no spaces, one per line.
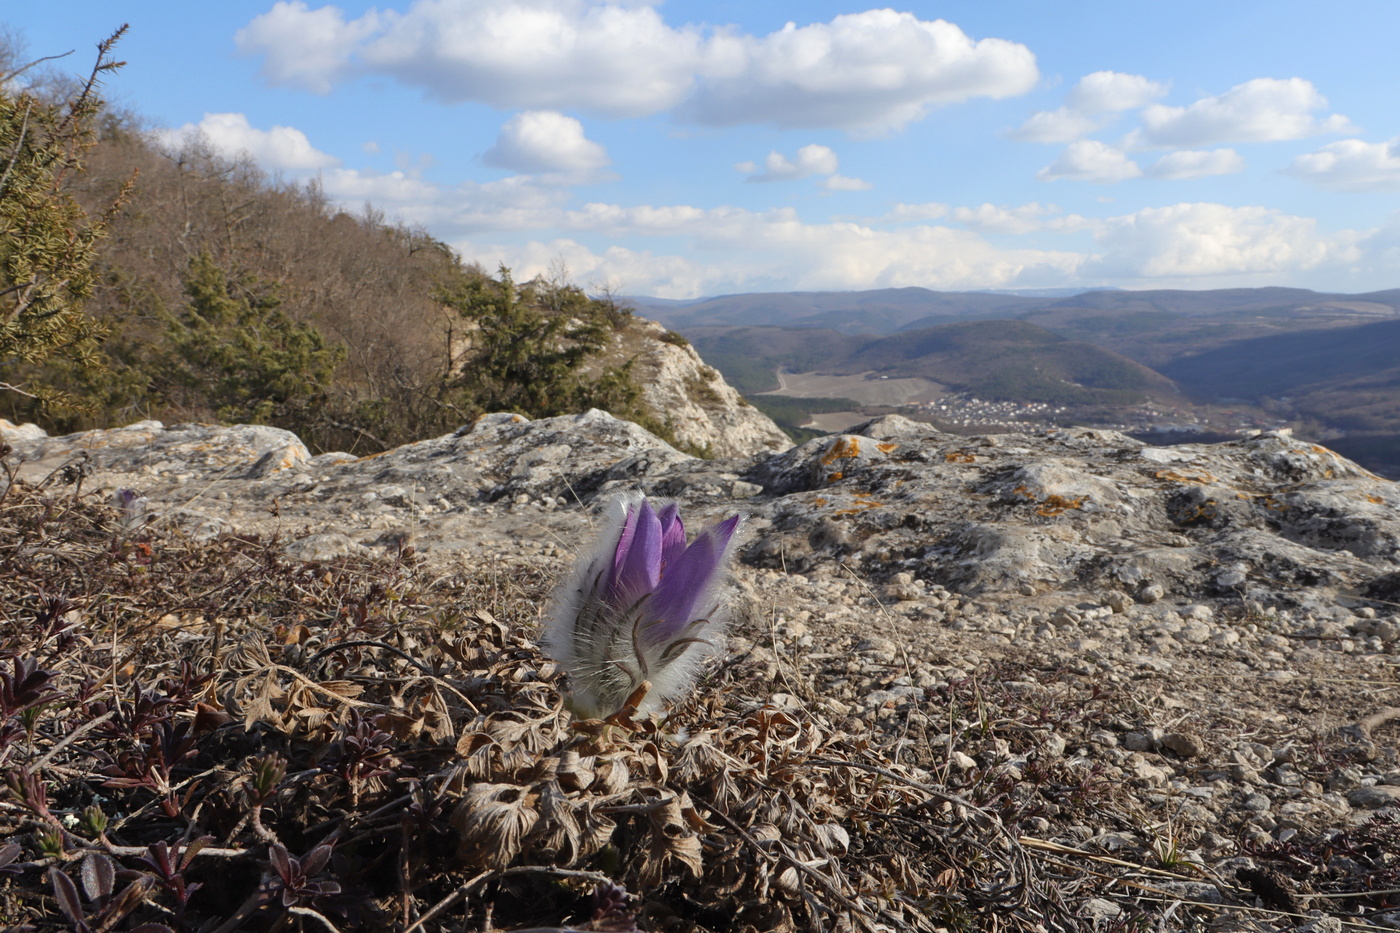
{"x":1178,"y":664}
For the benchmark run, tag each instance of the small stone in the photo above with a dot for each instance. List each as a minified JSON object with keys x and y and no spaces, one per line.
{"x":962,"y":762}
{"x":1137,"y":742}
{"x":1096,"y":908}
{"x":1151,"y":593}
{"x":1104,"y":737}
{"x":1374,"y":798}
{"x":743,"y":490}
{"x":902,"y":592}
{"x":1184,"y":744}
{"x":1119,"y":601}
{"x":320,"y":547}
{"x":1322,"y":925}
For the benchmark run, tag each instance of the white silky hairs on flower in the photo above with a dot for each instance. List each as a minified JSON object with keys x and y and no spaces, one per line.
{"x":641,"y":607}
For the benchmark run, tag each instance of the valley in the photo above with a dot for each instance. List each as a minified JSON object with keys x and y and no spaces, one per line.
{"x":1160,"y":364}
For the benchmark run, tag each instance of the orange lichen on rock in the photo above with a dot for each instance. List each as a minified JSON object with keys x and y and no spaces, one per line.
{"x":845,"y":448}
{"x":864,"y":503}
{"x":1058,"y":505}
{"x":959,"y":456}
{"x":1197,"y":477}
{"x":886,"y":448}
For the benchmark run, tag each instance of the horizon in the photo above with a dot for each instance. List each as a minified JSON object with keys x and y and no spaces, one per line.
{"x":685,"y":150}
{"x":1067,"y":292}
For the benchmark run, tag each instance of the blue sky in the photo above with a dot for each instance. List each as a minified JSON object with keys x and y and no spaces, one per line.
{"x":682,"y":149}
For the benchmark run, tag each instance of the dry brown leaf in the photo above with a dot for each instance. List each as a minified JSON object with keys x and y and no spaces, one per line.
{"x":478,"y":753}
{"x":611,"y":776}
{"x":833,"y":838}
{"x":595,"y":828}
{"x":657,"y":767}
{"x":436,"y":716}
{"x":493,"y":820}
{"x":575,"y":771}
{"x":670,"y":841}
{"x":557,"y":836}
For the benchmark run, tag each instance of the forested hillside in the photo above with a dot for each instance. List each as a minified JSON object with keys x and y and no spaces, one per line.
{"x":197,"y":287}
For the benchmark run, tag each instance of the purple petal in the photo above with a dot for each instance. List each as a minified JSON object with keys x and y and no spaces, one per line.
{"x":672,"y":536}
{"x":624,"y":539}
{"x":637,"y":563}
{"x":689,"y":580}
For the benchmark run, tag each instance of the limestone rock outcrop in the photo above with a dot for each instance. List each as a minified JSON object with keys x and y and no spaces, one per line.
{"x":1269,"y":520}
{"x":691,"y":397}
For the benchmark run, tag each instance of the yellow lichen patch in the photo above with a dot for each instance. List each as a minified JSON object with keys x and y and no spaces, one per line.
{"x":1374,"y":498}
{"x":845,"y":448}
{"x":886,"y":448}
{"x":819,"y":500}
{"x":1203,"y":513}
{"x":864,"y":503}
{"x":1023,"y":492}
{"x":1198,"y":477}
{"x":1271,"y":503}
{"x":838,"y":475}
{"x":959,"y":456}
{"x":1058,"y":505}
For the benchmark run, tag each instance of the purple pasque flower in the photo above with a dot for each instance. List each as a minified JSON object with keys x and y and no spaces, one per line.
{"x":641,"y":608}
{"x":132,"y":507}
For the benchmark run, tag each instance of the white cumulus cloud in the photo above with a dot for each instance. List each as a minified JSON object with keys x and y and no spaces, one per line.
{"x":1197,"y":163}
{"x":1204,"y":240}
{"x":869,"y":71}
{"x":1056,"y":126}
{"x":810,"y":160}
{"x":837,"y":182}
{"x":305,"y":47}
{"x":775,"y":250}
{"x":1351,"y":165}
{"x":1089,"y":106}
{"x":1023,"y":218}
{"x":615,"y":59}
{"x":1262,"y":110}
{"x":1113,"y":92}
{"x":1090,"y":160}
{"x":906,"y":213}
{"x":545,"y":141}
{"x":282,"y":148}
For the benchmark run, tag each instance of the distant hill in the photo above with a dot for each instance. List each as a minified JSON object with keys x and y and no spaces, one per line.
{"x":1344,"y":378}
{"x":993,"y":359}
{"x":1350,"y":375}
{"x":1176,"y":316}
{"x":880,"y":311}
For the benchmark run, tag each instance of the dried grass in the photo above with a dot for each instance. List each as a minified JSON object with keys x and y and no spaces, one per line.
{"x":206,"y":735}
